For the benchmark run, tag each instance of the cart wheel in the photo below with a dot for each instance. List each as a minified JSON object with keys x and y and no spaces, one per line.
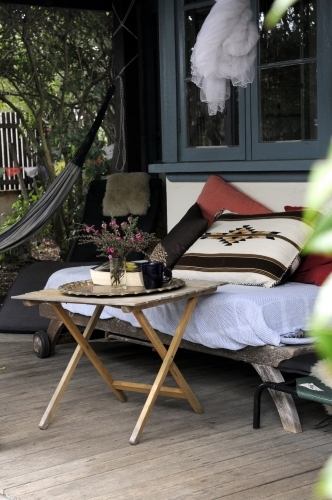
{"x":41,"y":344}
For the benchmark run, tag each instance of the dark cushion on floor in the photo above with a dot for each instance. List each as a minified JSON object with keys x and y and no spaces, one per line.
{"x":15,"y":317}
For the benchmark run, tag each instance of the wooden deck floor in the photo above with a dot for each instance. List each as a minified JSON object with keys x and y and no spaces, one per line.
{"x":85,"y":453}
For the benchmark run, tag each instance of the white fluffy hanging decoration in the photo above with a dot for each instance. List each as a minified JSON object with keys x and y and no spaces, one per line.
{"x":225,"y":51}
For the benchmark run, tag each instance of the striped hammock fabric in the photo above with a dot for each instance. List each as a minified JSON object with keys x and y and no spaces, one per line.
{"x":43,"y":210}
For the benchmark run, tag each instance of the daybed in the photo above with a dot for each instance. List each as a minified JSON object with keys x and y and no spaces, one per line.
{"x":262,"y":325}
{"x":244,"y":319}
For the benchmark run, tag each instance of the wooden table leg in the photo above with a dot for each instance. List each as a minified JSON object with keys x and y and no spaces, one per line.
{"x":167,"y":365}
{"x":83,"y":346}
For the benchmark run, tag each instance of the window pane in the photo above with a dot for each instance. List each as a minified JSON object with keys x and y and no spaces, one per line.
{"x":193,"y":22}
{"x":288,"y":96}
{"x":204,"y":130}
{"x":294,"y":36}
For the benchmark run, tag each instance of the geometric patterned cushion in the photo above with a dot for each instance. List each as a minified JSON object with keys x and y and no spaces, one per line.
{"x":255,"y":249}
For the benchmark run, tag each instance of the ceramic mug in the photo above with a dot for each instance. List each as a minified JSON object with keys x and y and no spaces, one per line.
{"x":155,"y":274}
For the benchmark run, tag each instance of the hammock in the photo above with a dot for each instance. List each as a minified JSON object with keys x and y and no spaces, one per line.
{"x":43,"y":210}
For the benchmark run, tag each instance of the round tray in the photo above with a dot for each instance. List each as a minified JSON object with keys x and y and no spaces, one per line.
{"x":88,"y":289}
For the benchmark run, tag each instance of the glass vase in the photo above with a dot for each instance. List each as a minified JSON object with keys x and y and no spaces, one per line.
{"x":118,"y":273}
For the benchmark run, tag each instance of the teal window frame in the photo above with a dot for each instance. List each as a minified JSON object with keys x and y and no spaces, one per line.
{"x":250,"y":160}
{"x":300,"y":149}
{"x":210,"y":153}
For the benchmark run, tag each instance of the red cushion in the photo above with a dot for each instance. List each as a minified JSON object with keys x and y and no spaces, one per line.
{"x":217,"y":194}
{"x":314,"y":276}
{"x":288,"y":208}
{"x":314,"y":268}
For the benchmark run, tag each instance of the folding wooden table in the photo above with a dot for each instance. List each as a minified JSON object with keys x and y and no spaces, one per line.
{"x":135,"y":304}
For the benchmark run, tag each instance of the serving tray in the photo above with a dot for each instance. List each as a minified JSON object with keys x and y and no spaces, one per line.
{"x":88,"y":289}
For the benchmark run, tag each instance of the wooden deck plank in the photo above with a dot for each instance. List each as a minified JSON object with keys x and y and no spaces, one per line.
{"x":301,"y":492}
{"x":85,"y":452}
{"x":117,"y":459}
{"x":127,"y":483}
{"x":251,"y":484}
{"x":127,"y":476}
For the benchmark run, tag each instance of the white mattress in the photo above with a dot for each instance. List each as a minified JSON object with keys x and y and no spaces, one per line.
{"x":234,"y":317}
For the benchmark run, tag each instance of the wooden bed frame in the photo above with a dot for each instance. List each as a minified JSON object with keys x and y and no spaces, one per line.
{"x":265,"y":359}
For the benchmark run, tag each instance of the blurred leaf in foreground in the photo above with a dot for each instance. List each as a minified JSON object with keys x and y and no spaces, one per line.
{"x":278,"y":9}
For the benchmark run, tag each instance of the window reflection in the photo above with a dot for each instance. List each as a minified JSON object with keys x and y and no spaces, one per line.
{"x":288,"y":103}
{"x":294,"y":36}
{"x":287,"y":74}
{"x":194,"y":19}
{"x":204,"y":130}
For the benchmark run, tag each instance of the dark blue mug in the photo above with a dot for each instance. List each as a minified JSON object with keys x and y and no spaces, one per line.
{"x":155,"y":274}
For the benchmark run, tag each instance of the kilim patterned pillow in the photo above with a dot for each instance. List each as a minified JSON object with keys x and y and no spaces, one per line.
{"x":247,"y":249}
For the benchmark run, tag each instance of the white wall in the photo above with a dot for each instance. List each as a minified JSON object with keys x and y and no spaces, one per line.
{"x":274,"y":195}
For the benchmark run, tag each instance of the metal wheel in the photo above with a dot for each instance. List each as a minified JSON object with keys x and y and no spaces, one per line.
{"x":41,"y":344}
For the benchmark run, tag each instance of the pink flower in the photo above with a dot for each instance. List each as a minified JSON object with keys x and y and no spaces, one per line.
{"x":115,"y":240}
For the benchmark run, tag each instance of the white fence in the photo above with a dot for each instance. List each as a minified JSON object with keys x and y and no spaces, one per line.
{"x":9,"y":134}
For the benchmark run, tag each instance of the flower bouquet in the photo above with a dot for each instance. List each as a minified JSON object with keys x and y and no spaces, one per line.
{"x":116,"y":241}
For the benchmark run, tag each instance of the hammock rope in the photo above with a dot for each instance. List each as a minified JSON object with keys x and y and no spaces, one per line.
{"x":43,"y":210}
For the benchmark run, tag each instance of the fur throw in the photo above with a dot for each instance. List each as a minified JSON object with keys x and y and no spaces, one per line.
{"x":127,"y":193}
{"x":323,"y":371}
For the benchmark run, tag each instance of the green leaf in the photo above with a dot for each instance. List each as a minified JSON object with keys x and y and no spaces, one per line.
{"x":320,"y":327}
{"x":320,"y":243}
{"x":320,"y":185}
{"x":323,"y":488}
{"x":322,"y":312}
{"x":324,"y":223}
{"x":278,"y":9}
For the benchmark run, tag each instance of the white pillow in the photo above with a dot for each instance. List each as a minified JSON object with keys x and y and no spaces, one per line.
{"x":260,"y":249}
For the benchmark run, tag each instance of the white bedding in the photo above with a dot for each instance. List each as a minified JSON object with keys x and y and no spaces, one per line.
{"x":232,"y":318}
